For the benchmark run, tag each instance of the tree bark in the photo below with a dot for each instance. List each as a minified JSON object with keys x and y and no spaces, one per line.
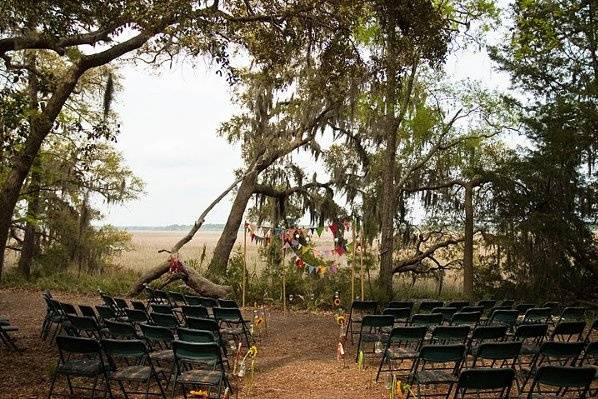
{"x":468,"y":249}
{"x":228,"y":237}
{"x":28,"y":248}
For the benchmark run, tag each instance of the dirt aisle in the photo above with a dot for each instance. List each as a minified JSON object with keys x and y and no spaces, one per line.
{"x":297,"y":358}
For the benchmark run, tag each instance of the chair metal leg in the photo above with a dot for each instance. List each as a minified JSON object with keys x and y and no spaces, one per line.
{"x":68,"y":380}
{"x":52,"y":385}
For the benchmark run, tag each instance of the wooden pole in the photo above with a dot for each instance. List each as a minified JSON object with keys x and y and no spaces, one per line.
{"x":284,"y":280}
{"x":361,"y":271}
{"x":244,"y":262}
{"x":353,"y":263}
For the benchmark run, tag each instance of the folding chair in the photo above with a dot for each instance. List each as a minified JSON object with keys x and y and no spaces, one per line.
{"x":401,"y":315}
{"x":476,"y":308}
{"x":165,"y":320}
{"x":68,"y":309}
{"x":444,"y":335}
{"x":136,"y":316}
{"x":572,"y":313}
{"x":501,"y":354}
{"x":227,"y":303}
{"x":504,"y":317}
{"x":590,"y":359}
{"x":401,"y":305}
{"x":138,"y":305}
{"x":130,"y":362}
{"x":159,"y":340}
{"x":191,"y":335}
{"x":84,"y":326}
{"x":458,"y":304}
{"x":485,"y":381}
{"x":568,"y":331}
{"x":209,"y":302}
{"x":79,"y":357}
{"x":372,"y":329}
{"x":195,"y":311}
{"x":487,"y":303}
{"x":466,"y":319}
{"x":507,"y":302}
{"x":54,"y":317}
{"x":551,"y":353}
{"x":357,"y":311}
{"x":193,"y":300}
{"x":5,"y":330}
{"x":176,"y":298}
{"x":426,"y":319}
{"x":564,"y":379}
{"x":437,"y":365}
{"x":231,"y":323}
{"x":536,"y":316}
{"x":199,"y":365}
{"x":161,"y":308}
{"x":446,"y":312}
{"x":531,"y":337}
{"x":403,"y":344}
{"x":88,"y":311}
{"x":427,"y":306}
{"x":120,"y":330}
{"x":482,"y":334}
{"x":524,"y":307}
{"x":105,"y":313}
{"x":593,"y":329}
{"x":161,"y":297}
{"x":211,"y":325}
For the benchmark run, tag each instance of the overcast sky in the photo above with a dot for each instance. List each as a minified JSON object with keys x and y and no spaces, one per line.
{"x":169,"y":120}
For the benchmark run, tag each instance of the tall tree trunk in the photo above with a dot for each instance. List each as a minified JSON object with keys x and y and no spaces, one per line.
{"x":228,"y":237}
{"x":28,"y":248}
{"x":468,"y":250}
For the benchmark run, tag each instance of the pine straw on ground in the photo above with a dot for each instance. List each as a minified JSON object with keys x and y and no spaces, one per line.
{"x":296,"y":358}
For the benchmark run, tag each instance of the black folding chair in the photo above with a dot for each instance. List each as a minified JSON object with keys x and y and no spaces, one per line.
{"x":561,"y":380}
{"x":437,"y":365}
{"x":572,"y":313}
{"x":483,"y":334}
{"x":401,"y":305}
{"x":195,"y":311}
{"x":458,"y":304}
{"x":403,"y":344}
{"x":79,"y":357}
{"x":568,"y":331}
{"x":401,"y":315}
{"x":427,"y":306}
{"x":5,"y":330}
{"x":449,"y":335}
{"x":373,"y":328}
{"x":471,"y":319}
{"x":356,"y":313}
{"x":199,"y":365}
{"x":426,"y":319}
{"x":536,"y":316}
{"x":446,"y":312}
{"x":497,"y":354}
{"x":485,"y":381}
{"x":231,"y":323}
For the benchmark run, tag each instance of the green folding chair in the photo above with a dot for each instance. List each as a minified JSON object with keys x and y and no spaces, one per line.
{"x":401,"y":315}
{"x":497,"y":354}
{"x":426,"y":319}
{"x":590,"y":359}
{"x":568,"y":331}
{"x":483,"y":334}
{"x":446,"y":312}
{"x":490,"y":382}
{"x":474,"y":308}
{"x":232,"y":323}
{"x":159,"y":341}
{"x":193,"y":300}
{"x":531,"y":337}
{"x":471,"y":319}
{"x":164,"y":320}
{"x":130,"y":363}
{"x":6,"y":329}
{"x":373,"y":328}
{"x":195,"y":311}
{"x":136,"y":316}
{"x":427,"y":306}
{"x":444,"y":335}
{"x":121,"y":330}
{"x":228,"y":303}
{"x":592,"y":330}
{"x":356,"y":313}
{"x":80,"y":357}
{"x":503,"y":317}
{"x":403,"y":344}
{"x":537,"y":316}
{"x":105,"y":313}
{"x":198,"y":336}
{"x":85,"y":326}
{"x":199,"y":365}
{"x":458,"y":304}
{"x":401,"y":305}
{"x":572,"y":313}
{"x":522,"y":308}
{"x":559,"y":381}
{"x":211,"y":325}
{"x":176,"y":298}
{"x":435,"y":366}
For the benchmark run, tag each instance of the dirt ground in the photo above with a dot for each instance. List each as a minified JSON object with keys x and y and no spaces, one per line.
{"x":297,"y":358}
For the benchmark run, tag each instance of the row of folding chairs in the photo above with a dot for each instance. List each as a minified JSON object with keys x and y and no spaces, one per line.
{"x":177,"y":299}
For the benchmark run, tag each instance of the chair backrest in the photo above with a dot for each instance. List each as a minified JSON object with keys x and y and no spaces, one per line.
{"x":446,"y":312}
{"x":578,"y":378}
{"x":125,"y":348}
{"x":450,"y":334}
{"x":88,"y":311}
{"x":121,"y":330}
{"x":198,"y":323}
{"x":177,"y":297}
{"x":227,"y":314}
{"x":524,"y":307}
{"x":554,"y":307}
{"x":485,"y":380}
{"x":191,"y":335}
{"x":504,"y":317}
{"x":563,"y":352}
{"x":68,"y":308}
{"x":398,"y":313}
{"x":164,"y":320}
{"x":121,"y":303}
{"x":193,"y":300}
{"x":486,"y":333}
{"x":534,"y":331}
{"x":568,"y":330}
{"x":469,"y":309}
{"x":138,"y":305}
{"x":83,"y":323}
{"x":427,"y":306}
{"x":209,"y":302}
{"x":408,"y":334}
{"x":431,"y":319}
{"x":195,"y":352}
{"x":573,"y":313}
{"x":364,"y":306}
{"x":195,"y":311}
{"x":466,"y":318}
{"x":401,"y":304}
{"x":498,"y":351}
{"x":507,"y":302}
{"x":377,"y":321}
{"x":442,"y":353}
{"x":105,"y":312}
{"x":537,"y":315}
{"x":458,"y":304}
{"x":228,"y":303}
{"x":67,"y":344}
{"x":157,"y":334}
{"x":136,"y":315}
{"x":161,"y":308}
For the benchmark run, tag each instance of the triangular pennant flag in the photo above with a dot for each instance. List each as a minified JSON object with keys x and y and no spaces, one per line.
{"x":319,"y":230}
{"x":334,"y":228}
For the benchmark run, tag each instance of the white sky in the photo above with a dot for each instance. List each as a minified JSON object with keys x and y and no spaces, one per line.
{"x":168,"y":137}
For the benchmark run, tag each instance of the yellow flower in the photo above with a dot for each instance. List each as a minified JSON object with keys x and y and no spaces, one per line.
{"x":199,"y":394}
{"x":252,"y":352}
{"x":340,"y":320}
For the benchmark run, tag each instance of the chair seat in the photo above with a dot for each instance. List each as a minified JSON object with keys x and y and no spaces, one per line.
{"x":91,"y":367}
{"x":402,"y":353}
{"x":133,"y":373}
{"x":165,"y":355}
{"x":371,"y":337}
{"x":435,"y":376}
{"x":529,"y":349}
{"x":200,"y":377}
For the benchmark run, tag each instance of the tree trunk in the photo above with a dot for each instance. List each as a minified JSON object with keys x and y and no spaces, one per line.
{"x":28,"y":249}
{"x":228,"y":237}
{"x":387,"y":217}
{"x":468,"y":250}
